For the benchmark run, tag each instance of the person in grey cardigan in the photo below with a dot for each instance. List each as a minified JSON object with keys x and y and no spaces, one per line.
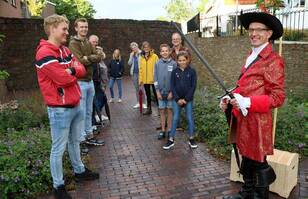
{"x":162,"y":78}
{"x":134,"y":70}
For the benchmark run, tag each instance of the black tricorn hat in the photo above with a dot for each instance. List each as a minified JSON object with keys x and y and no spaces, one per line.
{"x":269,"y":20}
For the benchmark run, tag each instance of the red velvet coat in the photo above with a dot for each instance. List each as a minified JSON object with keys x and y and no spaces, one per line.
{"x":263,"y":82}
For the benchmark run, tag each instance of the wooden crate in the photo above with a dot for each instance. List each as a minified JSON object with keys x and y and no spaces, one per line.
{"x":285,"y":165}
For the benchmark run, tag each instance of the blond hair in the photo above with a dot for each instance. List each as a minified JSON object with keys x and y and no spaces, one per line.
{"x":133,"y":44}
{"x":53,"y":21}
{"x":113,"y":55}
{"x":164,"y":46}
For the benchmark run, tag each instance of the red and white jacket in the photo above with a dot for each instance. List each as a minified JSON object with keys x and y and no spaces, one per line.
{"x":58,"y":88}
{"x":264,"y":83}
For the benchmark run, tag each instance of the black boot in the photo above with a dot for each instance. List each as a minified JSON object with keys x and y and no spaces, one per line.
{"x":61,"y":193}
{"x":86,"y":175}
{"x":247,"y":189}
{"x":148,"y":111}
{"x":261,"y":193}
{"x":265,"y":176}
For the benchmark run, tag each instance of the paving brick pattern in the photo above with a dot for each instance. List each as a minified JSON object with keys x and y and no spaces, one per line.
{"x":133,"y":164}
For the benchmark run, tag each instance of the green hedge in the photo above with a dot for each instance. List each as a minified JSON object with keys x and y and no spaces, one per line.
{"x":24,"y":154}
{"x":211,"y":125}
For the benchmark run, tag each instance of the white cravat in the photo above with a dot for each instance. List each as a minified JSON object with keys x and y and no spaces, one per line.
{"x":254,"y":54}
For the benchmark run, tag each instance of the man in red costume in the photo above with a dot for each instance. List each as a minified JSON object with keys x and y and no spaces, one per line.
{"x":260,"y":89}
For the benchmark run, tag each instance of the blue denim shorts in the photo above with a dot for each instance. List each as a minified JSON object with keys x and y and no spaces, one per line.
{"x":163,"y":104}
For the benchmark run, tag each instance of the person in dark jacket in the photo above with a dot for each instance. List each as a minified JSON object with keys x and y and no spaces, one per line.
{"x":183,"y":85}
{"x":116,"y":70}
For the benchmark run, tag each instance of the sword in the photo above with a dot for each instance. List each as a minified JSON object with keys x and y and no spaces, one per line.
{"x":214,"y":75}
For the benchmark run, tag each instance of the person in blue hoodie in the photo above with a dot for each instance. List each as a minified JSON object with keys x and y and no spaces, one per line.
{"x":116,"y":70}
{"x":162,"y":76}
{"x":183,"y":85}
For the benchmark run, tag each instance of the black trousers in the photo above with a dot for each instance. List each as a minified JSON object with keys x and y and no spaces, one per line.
{"x":147,"y":88}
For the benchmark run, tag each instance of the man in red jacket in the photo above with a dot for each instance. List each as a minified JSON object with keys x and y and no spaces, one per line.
{"x":57,"y":71}
{"x":260,"y":89}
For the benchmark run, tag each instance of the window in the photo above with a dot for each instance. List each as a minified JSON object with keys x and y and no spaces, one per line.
{"x":298,"y":3}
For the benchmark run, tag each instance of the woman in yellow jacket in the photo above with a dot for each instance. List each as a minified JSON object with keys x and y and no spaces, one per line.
{"x":147,"y":62}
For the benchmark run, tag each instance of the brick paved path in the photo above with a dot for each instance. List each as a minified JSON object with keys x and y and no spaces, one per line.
{"x":133,"y":164}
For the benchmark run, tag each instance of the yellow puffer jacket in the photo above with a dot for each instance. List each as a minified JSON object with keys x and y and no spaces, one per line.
{"x":146,"y":68}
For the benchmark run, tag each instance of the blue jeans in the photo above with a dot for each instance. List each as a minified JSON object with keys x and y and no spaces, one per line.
{"x":65,"y":127}
{"x":86,"y":103}
{"x":111,"y":84}
{"x":176,"y":117}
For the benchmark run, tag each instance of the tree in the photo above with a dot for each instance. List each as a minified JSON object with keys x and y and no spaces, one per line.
{"x":201,"y":5}
{"x":162,"y":18}
{"x":74,"y":8}
{"x":35,"y":6}
{"x":179,"y":10}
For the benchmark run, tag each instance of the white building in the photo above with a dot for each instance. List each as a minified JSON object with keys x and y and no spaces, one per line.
{"x":294,"y":15}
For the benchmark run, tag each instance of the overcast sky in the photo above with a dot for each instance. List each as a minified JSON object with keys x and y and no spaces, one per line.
{"x":130,"y":9}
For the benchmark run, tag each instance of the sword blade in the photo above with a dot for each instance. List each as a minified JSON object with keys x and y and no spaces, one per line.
{"x":202,"y":59}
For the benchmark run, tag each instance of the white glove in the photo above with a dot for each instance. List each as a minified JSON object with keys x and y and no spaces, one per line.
{"x":244,"y":103}
{"x":225,"y":98}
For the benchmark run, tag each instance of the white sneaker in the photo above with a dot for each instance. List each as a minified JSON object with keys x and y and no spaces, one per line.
{"x":97,"y":118}
{"x":111,"y":100}
{"x":104,"y":117}
{"x":136,"y":106}
{"x":119,"y":100}
{"x":144,"y":106}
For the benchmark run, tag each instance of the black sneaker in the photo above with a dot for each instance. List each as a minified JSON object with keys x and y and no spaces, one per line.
{"x":97,"y":130}
{"x":60,"y":193}
{"x":192,"y":143}
{"x":169,"y":145}
{"x":148,"y":112}
{"x":86,"y":175}
{"x":95,"y":142}
{"x":161,"y":135}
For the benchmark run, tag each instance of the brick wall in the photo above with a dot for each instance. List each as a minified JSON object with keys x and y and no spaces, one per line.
{"x":9,"y":10}
{"x":226,"y":55}
{"x":22,"y":36}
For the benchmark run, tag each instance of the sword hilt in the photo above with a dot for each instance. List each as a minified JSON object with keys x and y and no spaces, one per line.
{"x":228,"y":92}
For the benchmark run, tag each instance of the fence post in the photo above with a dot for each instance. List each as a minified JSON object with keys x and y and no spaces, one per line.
{"x":241,"y":30}
{"x":217,"y":31}
{"x":199,"y":23}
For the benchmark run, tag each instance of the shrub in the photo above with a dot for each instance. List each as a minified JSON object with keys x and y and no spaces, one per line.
{"x":24,"y":163}
{"x":18,"y":120}
{"x":25,"y":145}
{"x":293,"y":35}
{"x":4,"y":75}
{"x":291,"y":132}
{"x":210,"y":122}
